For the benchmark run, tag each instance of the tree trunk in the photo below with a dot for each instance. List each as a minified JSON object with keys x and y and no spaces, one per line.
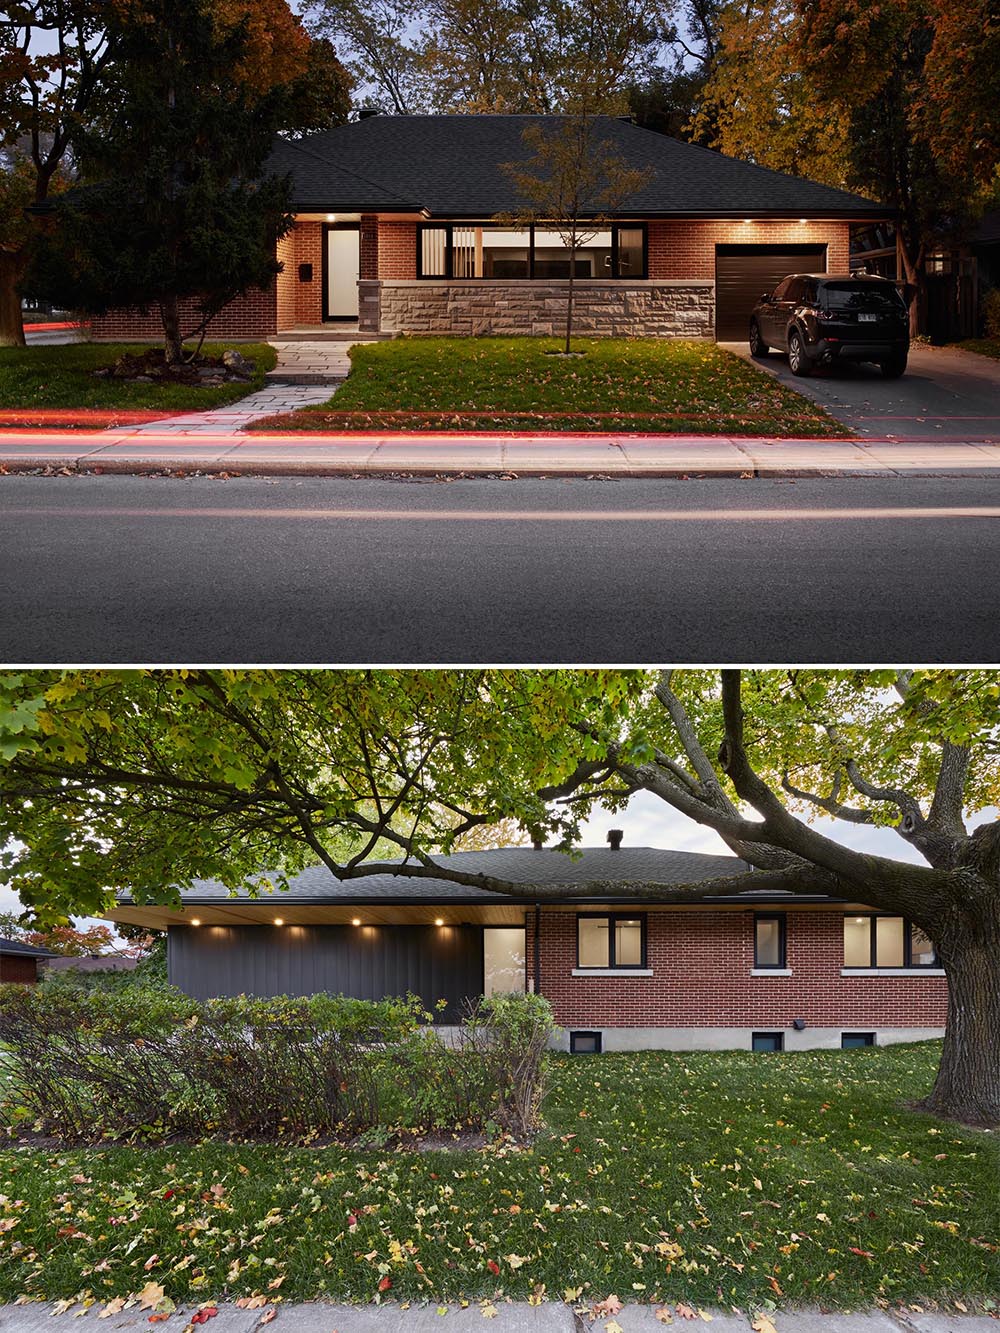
{"x":967,"y":1087}
{"x":11,"y":319}
{"x":913,"y":271}
{"x":569,"y":299}
{"x":173,"y":349}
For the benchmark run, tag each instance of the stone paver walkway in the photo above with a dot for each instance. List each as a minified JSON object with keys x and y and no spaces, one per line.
{"x":312,"y":362}
{"x":305,"y":373}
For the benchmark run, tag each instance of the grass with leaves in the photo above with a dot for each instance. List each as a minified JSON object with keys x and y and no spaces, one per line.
{"x":983,"y":346}
{"x":697,"y":1178}
{"x":44,"y":377}
{"x":665,"y":385}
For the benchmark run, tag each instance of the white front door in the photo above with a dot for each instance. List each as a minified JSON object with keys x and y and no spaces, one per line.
{"x":503,"y":959}
{"x":343,"y":250}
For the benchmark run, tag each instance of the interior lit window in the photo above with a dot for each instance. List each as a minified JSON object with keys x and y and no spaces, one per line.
{"x":503,"y":960}
{"x":594,"y":941}
{"x":922,"y":952}
{"x":628,"y":943}
{"x":889,"y":941}
{"x":769,"y":941}
{"x":857,"y":941}
{"x":552,"y":257}
{"x":434,"y":252}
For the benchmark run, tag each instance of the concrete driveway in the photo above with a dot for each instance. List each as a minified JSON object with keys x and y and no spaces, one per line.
{"x":945,"y":394}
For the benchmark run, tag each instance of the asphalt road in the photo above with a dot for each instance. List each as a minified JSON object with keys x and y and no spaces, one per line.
{"x":327,"y":570}
{"x":945,"y":394}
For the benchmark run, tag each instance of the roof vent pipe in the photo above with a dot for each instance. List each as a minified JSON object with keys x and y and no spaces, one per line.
{"x":615,"y":836}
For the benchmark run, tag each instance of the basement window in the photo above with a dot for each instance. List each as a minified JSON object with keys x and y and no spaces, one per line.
{"x":849,"y":1040}
{"x":585,"y":1043}
{"x":769,"y":1042}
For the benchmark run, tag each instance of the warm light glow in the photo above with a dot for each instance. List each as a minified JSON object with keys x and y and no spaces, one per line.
{"x":331,"y":217}
{"x":859,"y":921}
{"x":356,"y":921}
{"x":196,"y":921}
{"x":802,"y":221}
{"x":438,"y":921}
{"x":279,"y":920}
{"x":747,"y":221}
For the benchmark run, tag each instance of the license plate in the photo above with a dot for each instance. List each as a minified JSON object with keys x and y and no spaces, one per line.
{"x":865,"y":318}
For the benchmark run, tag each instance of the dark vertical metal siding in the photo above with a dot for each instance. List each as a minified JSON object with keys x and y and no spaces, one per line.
{"x":366,"y":962}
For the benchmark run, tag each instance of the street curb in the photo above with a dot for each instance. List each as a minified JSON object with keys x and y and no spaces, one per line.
{"x":503,"y":1316}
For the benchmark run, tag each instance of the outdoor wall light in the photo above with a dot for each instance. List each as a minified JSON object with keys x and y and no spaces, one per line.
{"x":279,"y":920}
{"x":305,"y":273}
{"x":196,"y":921}
{"x":356,"y":921}
{"x":438,"y":921}
{"x":799,"y":1024}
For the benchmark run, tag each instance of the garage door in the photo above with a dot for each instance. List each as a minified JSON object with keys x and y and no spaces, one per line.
{"x":742,"y":272}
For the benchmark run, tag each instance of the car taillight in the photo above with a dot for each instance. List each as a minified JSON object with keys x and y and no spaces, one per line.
{"x":828,"y":317}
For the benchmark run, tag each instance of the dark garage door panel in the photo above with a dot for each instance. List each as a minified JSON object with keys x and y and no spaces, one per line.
{"x":742,"y":272}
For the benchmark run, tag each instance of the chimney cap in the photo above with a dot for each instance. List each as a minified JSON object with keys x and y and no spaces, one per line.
{"x":614,"y":837}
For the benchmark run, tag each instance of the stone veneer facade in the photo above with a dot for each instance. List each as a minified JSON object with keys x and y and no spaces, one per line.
{"x":679,"y":308}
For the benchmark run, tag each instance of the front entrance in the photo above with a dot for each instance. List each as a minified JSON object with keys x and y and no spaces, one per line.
{"x":503,"y":959}
{"x":343,"y":267}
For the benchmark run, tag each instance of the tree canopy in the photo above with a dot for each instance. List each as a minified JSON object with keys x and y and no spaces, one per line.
{"x":148,"y":780}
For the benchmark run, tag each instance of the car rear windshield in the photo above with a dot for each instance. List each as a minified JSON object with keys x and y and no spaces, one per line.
{"x":862,"y":296}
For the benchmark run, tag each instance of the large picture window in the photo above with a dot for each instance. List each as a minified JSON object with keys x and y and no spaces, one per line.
{"x":463,"y":250}
{"x":612,"y":941}
{"x":886,"y":941}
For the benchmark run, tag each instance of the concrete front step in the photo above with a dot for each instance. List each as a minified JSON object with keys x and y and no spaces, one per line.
{"x":292,"y":376}
{"x":328,"y":334}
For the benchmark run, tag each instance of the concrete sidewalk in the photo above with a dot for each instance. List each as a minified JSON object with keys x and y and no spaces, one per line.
{"x":501,"y":1317}
{"x":148,"y":450}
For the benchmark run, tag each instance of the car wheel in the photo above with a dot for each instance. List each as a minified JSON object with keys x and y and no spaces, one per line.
{"x":893,"y":367}
{"x":798,"y":362}
{"x":758,"y":347}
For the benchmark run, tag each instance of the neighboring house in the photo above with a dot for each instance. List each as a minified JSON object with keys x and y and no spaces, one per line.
{"x":757,"y":971}
{"x":20,"y":962}
{"x":394,"y":234}
{"x":92,"y":962}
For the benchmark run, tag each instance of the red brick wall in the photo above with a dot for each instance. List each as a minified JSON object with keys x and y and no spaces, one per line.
{"x":253,"y":316}
{"x":300,"y":302}
{"x":23,"y":970}
{"x":397,"y":250}
{"x":701,"y":964}
{"x":369,"y":246}
{"x":686,"y":249}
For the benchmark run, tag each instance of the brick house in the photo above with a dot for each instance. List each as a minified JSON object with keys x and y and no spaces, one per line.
{"x":20,"y":962}
{"x":394,"y":233}
{"x":755,"y":971}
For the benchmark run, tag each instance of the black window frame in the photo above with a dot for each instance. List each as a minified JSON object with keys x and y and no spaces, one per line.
{"x":782,"y":920}
{"x":867,"y":1040}
{"x":777,"y":1049}
{"x":611,"y":918}
{"x":908,"y":964}
{"x":449,"y":262}
{"x":595,"y":1036}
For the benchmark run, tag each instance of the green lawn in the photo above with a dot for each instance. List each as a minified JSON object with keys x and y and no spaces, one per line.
{"x":984,"y":346}
{"x":707,"y":1178}
{"x":512,"y":383}
{"x":61,"y":376}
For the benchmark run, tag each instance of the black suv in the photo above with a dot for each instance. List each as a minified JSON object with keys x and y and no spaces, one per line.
{"x":819,"y":319}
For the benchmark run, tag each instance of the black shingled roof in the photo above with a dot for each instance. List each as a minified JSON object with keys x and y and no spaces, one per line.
{"x":24,"y":950}
{"x":527,"y":865}
{"x":452,"y":166}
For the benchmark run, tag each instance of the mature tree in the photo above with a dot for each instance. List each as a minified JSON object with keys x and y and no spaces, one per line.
{"x":149,"y":780}
{"x":505,"y":56}
{"x":52,"y":59}
{"x":176,"y":203}
{"x":758,"y":104}
{"x":573,"y":182}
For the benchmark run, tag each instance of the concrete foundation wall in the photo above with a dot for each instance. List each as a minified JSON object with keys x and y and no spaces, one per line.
{"x":676,"y":308}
